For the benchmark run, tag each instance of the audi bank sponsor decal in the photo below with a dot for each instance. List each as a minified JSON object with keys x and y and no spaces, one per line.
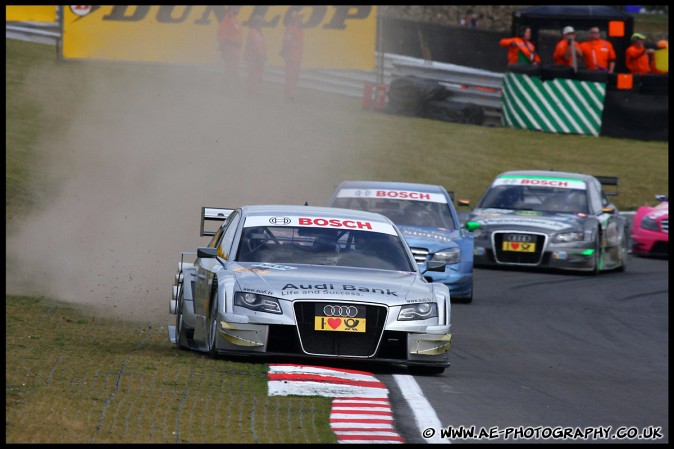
{"x":320,"y":222}
{"x":335,"y":36}
{"x":330,"y":288}
{"x":523,"y":221}
{"x":392,"y":194}
{"x":564,"y":183}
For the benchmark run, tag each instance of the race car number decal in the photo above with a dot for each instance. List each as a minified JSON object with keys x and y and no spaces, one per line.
{"x":519,"y":247}
{"x":325,"y":323}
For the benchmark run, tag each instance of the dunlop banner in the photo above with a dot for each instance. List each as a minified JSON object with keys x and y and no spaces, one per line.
{"x":30,"y":13}
{"x":335,"y":37}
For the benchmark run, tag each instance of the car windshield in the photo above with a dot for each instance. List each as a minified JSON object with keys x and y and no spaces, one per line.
{"x":403,"y":212}
{"x":535,"y":198}
{"x":321,"y":246}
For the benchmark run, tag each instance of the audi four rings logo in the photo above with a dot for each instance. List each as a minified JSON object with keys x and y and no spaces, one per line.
{"x":362,"y":193}
{"x":340,"y":311}
{"x":522,"y":238}
{"x":279,"y":220}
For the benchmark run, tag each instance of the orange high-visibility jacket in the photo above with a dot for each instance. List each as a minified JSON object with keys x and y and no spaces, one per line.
{"x":597,"y":54}
{"x":636,"y":59}
{"x":559,"y":55}
{"x":526,"y":48}
{"x":229,"y":32}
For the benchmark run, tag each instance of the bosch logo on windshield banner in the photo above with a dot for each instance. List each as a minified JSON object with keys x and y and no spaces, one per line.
{"x":392,"y":194}
{"x":335,"y":36}
{"x":542,"y":182}
{"x":321,"y":222}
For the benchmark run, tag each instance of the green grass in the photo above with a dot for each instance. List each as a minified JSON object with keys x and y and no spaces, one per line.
{"x":652,"y":24}
{"x":75,"y":378}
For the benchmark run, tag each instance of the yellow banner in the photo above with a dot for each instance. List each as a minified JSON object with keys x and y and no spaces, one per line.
{"x":338,"y":37}
{"x":30,"y":13}
{"x":662,"y":59}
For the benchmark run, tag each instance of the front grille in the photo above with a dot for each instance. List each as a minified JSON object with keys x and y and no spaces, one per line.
{"x":665,"y":226}
{"x":420,"y":254}
{"x":517,"y":257}
{"x":335,"y":343}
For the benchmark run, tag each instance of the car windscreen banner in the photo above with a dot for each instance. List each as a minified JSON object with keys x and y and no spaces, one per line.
{"x":15,"y":13}
{"x":335,"y":37}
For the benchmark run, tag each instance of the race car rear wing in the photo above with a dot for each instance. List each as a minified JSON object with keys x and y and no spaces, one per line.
{"x":609,"y":181}
{"x":212,"y":214}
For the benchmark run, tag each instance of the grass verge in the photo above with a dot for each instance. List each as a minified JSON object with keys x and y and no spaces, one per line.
{"x":74,"y":378}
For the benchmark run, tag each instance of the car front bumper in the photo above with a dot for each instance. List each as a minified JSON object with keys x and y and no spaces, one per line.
{"x":578,"y":256}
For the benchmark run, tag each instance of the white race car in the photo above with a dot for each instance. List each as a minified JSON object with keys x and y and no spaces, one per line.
{"x":313,"y":282}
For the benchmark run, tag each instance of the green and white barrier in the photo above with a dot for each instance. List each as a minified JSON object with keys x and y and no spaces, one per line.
{"x":558,"y":106}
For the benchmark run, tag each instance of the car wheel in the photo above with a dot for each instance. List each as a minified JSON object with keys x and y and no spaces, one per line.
{"x":624,"y":251}
{"x":597,"y":255}
{"x":213,"y":330}
{"x":426,"y":370}
{"x":181,"y":336}
{"x":464,"y":300}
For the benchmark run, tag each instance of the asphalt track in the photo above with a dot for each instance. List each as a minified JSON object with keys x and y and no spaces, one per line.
{"x":538,"y":351}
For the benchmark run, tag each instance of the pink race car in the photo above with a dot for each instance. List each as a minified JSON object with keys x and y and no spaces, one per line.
{"x":650,"y":229}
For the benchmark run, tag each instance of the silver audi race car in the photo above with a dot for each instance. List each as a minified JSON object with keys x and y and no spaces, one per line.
{"x":308,"y":281}
{"x":550,"y":219}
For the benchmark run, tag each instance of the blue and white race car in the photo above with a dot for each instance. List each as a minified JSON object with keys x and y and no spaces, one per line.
{"x":314,"y":282}
{"x":550,"y":219}
{"x":426,"y":216}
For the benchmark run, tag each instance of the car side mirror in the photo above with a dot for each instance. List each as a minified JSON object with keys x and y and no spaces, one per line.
{"x":435,"y":265}
{"x":472,"y":225}
{"x":207,"y":253}
{"x":465,"y":203}
{"x":608,"y":210}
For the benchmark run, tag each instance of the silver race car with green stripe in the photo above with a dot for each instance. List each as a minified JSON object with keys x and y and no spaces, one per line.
{"x":315,"y":282}
{"x":550,"y":219}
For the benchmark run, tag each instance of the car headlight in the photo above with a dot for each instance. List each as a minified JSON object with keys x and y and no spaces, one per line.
{"x":448,"y":256}
{"x":567,"y":237}
{"x":649,"y":223}
{"x":421,"y":311}
{"x":259,"y":303}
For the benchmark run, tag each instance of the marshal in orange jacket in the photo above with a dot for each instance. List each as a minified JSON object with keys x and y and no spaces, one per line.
{"x":520,"y":51}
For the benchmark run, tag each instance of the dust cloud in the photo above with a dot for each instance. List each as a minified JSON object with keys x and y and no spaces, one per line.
{"x":137,"y":160}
